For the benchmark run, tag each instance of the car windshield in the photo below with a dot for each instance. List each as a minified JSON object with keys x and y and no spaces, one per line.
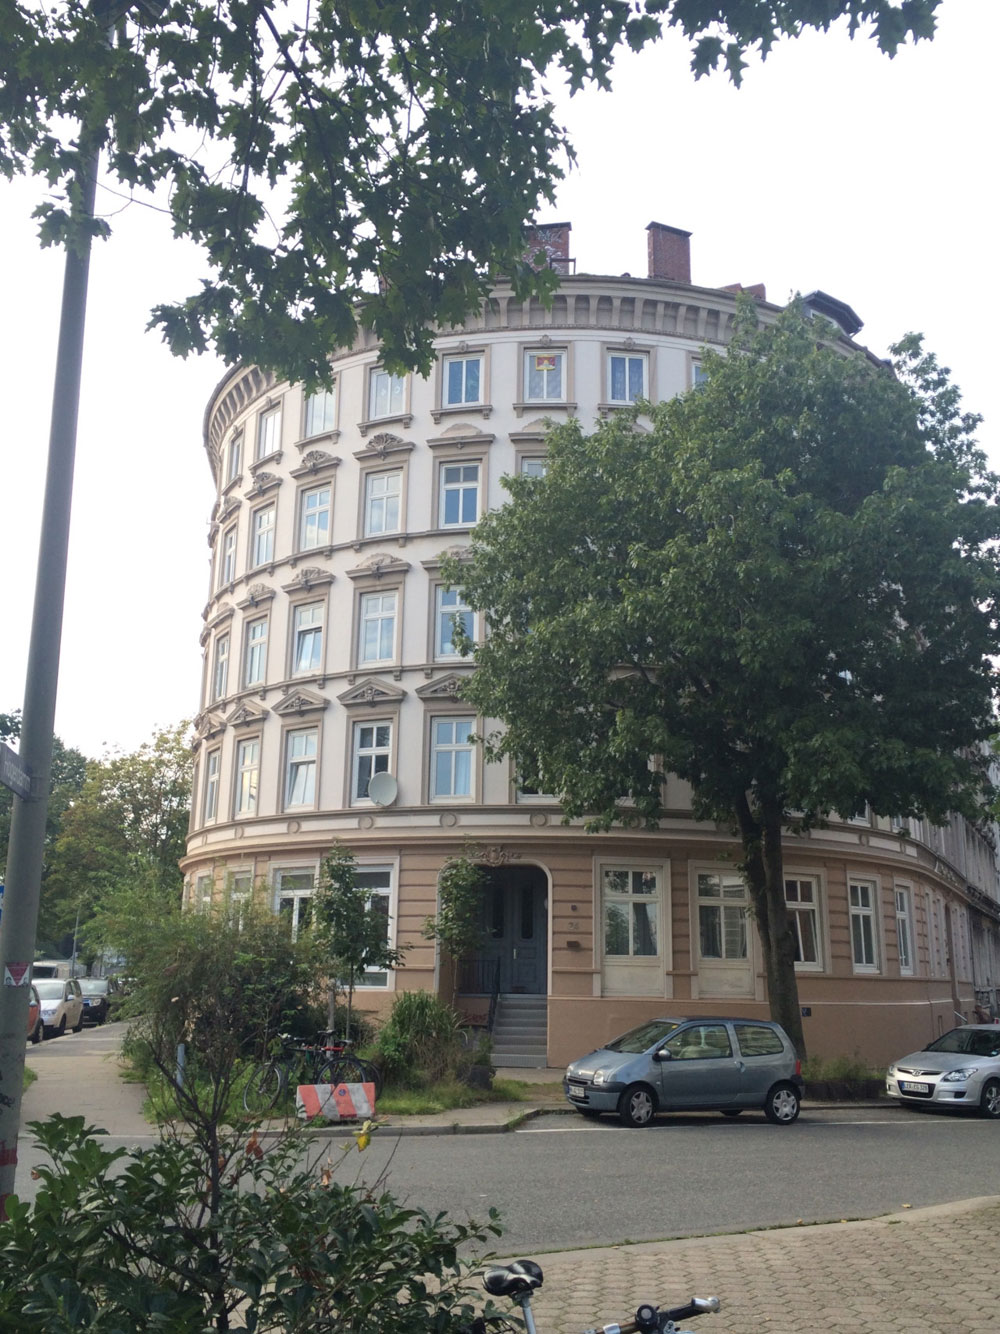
{"x":94,"y":986}
{"x":972,"y":1041}
{"x":50,"y":988}
{"x":640,"y":1039}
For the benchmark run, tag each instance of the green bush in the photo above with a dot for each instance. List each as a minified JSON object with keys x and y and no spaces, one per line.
{"x":420,"y":1043}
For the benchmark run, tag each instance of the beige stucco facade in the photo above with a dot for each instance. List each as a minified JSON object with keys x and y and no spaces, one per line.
{"x":328,"y":663}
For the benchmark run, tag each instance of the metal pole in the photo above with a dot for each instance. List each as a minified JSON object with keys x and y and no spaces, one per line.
{"x":27,"y":831}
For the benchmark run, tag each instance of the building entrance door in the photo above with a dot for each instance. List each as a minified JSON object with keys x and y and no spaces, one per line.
{"x":516,"y":911}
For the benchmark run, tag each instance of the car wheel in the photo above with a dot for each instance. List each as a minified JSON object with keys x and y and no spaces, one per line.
{"x":38,"y":1034}
{"x":636,"y":1106}
{"x":989,"y":1103}
{"x":61,"y":1030}
{"x":782,"y":1106}
{"x":78,"y":1025}
{"x":731,"y":1111}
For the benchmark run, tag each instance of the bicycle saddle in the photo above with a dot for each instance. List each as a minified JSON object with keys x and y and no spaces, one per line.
{"x":510,"y":1280}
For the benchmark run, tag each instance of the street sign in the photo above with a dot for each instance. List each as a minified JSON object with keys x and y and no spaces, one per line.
{"x":13,"y":773}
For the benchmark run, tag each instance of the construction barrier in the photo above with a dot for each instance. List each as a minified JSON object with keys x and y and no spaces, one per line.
{"x":334,"y":1102}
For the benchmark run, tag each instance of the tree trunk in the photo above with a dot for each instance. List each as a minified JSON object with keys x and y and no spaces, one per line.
{"x":763,"y":865}
{"x":447,"y":978}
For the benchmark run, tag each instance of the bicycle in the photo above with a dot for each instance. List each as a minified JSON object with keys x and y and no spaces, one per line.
{"x":520,"y":1279}
{"x":325,"y":1060}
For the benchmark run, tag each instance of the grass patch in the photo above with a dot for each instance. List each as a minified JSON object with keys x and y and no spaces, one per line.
{"x":29,"y":1078}
{"x":447,"y":1095}
{"x":839,"y":1067}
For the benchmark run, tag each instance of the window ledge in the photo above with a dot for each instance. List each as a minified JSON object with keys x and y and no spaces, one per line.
{"x":370,"y":423}
{"x":544,"y":405}
{"x":453,"y":409}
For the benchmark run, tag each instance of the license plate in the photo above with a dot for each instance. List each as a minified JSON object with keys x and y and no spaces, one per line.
{"x":576,"y":1093}
{"x":908,"y":1086}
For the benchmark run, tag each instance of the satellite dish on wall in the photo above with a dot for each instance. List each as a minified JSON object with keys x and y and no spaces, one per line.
{"x":382,"y":789}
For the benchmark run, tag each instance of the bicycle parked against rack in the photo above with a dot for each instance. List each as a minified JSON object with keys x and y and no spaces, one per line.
{"x":325,"y":1060}
{"x":520,"y":1279}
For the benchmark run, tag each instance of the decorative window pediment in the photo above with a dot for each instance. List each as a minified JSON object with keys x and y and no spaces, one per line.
{"x":381,"y":446}
{"x":246,"y":714}
{"x":209,"y":725}
{"x":371,"y":692}
{"x":445,"y":687}
{"x":433,"y":564}
{"x":378,"y":566}
{"x":460,"y":436}
{"x":301,"y":701}
{"x":224,"y":612}
{"x":531,"y":432}
{"x":315,"y":463}
{"x":262,"y":482}
{"x":256,"y":594}
{"x":311,"y":576}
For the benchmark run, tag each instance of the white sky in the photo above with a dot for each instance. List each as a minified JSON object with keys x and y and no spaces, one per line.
{"x":832,"y":168}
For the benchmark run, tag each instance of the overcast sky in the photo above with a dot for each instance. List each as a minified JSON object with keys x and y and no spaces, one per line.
{"x":832,"y":168}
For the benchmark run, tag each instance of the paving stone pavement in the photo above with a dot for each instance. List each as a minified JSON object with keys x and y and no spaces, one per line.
{"x":929,"y":1269}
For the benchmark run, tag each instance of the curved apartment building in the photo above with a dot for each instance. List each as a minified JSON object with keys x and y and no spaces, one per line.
{"x":332,"y":708}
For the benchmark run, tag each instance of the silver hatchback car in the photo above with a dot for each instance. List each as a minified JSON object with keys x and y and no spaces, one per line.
{"x":959,"y":1069}
{"x":674,"y":1065}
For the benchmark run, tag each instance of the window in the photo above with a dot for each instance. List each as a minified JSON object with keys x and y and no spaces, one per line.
{"x":372,"y":747}
{"x":234,"y":459}
{"x":377,"y":880}
{"x":448,"y":607}
{"x":904,"y":930}
{"x":210,"y":797}
{"x":700,"y":1042}
{"x":864,"y":947}
{"x":631,"y":912}
{"x":220,"y":667}
{"x":203,"y":893}
{"x":247,"y":776}
{"x":452,"y":749}
{"x":627,"y":376}
{"x":240,"y":889}
{"x":756,"y":1040}
{"x":268,"y":433}
{"x":300,"y":767}
{"x":262,"y":549}
{"x":459,"y":494}
{"x":698,"y":375}
{"x":386,"y":395}
{"x":293,"y":898}
{"x":543,"y":376}
{"x":382,"y":492}
{"x":722,"y":916}
{"x":319,"y":412}
{"x":227,"y":557}
{"x":255,"y":652}
{"x":377,"y":631}
{"x":307,"y":638}
{"x":462,"y":380}
{"x":801,"y":899}
{"x":533,"y":467}
{"x":314,"y":518}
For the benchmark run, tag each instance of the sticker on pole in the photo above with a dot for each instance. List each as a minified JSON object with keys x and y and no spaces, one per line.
{"x":16,"y":974}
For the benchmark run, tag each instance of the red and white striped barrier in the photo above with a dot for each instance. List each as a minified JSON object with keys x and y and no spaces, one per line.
{"x":334,"y":1102}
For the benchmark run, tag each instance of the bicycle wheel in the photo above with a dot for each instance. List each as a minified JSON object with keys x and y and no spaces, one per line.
{"x":351,"y":1070}
{"x":264,"y":1088}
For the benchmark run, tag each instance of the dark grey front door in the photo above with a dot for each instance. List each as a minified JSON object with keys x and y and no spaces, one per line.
{"x":516,"y":920}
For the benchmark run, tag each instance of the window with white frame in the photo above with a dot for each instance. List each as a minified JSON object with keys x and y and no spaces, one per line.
{"x":247,"y":775}
{"x":262,"y":536}
{"x":240,"y":888}
{"x":314,"y":518}
{"x":802,"y":902}
{"x":386,"y":395}
{"x":210,"y":794}
{"x":452,"y":753}
{"x":234,"y":458}
{"x":268,"y":433}
{"x":255,"y":652}
{"x":377,"y":880}
{"x":862,"y":899}
{"x":293,"y":891}
{"x":220,"y":667}
{"x":904,"y":928}
{"x":372,"y":752}
{"x":203,"y":893}
{"x":301,"y":749}
{"x":449,"y":609}
{"x":320,"y":412}
{"x":631,"y":908}
{"x":377,"y":628}
{"x":459,"y":495}
{"x":463,"y":380}
{"x":544,"y":376}
{"x":628,"y":376}
{"x":382,"y":496}
{"x":722,"y":915}
{"x":307,"y":638}
{"x":533,"y":467}
{"x":699,"y":375}
{"x":227,"y":557}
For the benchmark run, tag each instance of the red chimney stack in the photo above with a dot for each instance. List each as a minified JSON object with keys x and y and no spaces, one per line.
{"x":669,"y":252}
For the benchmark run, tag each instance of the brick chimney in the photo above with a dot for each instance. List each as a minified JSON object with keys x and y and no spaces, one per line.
{"x":553,"y":240}
{"x":669,"y":252}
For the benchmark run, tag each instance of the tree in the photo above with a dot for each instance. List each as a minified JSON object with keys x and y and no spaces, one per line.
{"x":354,"y":925}
{"x":784,"y":590}
{"x":457,"y":925}
{"x":369,"y":163}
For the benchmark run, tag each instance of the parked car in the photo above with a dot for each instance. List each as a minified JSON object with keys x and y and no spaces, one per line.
{"x":673,"y":1065}
{"x":62,"y":1004}
{"x":36,"y":1028}
{"x":98,"y":996}
{"x":959,"y":1069}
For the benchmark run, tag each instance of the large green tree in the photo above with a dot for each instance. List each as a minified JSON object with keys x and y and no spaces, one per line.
{"x":781,"y":586}
{"x":343,"y":160}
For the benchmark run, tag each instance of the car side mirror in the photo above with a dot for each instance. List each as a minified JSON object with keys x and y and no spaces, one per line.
{"x":663,"y":1055}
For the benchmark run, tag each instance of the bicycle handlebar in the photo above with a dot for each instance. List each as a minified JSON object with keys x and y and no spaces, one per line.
{"x":649,"y":1318}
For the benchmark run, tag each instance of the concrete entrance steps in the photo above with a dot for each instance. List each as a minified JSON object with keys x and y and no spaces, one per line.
{"x":520,"y":1031}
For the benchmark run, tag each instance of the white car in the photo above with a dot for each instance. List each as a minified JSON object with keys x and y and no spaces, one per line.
{"x":959,"y":1069}
{"x":62,"y":1004}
